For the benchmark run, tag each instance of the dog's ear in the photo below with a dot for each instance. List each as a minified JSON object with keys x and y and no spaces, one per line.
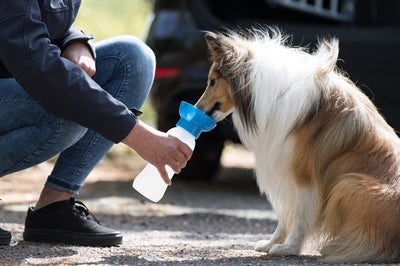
{"x":225,"y":51}
{"x":216,"y":45}
{"x":230,"y":54}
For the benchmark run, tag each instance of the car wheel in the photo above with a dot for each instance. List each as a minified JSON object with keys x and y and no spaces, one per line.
{"x":205,"y":160}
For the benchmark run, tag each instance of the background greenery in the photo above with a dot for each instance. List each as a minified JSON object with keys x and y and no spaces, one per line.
{"x":109,"y":18}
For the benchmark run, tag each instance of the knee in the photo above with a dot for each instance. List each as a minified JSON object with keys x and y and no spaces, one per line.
{"x":139,"y":53}
{"x":140,"y":63}
{"x":130,"y":64}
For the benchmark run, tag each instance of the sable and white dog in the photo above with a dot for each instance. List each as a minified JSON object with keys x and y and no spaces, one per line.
{"x":325,"y":158}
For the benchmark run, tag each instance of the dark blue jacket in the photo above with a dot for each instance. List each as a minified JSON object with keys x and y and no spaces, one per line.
{"x":33,"y":33}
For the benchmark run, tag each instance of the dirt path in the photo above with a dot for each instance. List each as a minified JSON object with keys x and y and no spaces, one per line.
{"x":199,"y":223}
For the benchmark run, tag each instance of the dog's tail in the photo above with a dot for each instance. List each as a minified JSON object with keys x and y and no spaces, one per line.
{"x":361,"y":221}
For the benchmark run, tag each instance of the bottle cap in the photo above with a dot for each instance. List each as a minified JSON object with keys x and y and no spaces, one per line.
{"x":193,"y":120}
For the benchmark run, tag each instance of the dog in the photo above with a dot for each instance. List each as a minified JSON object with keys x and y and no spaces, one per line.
{"x":327,"y":161}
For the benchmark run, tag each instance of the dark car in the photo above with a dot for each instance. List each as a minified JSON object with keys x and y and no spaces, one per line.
{"x":368,"y":30}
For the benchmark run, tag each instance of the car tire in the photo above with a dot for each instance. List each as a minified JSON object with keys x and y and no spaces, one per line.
{"x":205,"y":160}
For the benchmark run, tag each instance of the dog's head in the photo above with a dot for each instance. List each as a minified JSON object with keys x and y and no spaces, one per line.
{"x":227,"y":77}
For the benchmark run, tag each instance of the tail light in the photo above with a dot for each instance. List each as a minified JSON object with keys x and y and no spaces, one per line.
{"x":166,"y":72}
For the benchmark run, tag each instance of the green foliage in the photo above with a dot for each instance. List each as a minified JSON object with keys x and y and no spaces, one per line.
{"x":108,"y":18}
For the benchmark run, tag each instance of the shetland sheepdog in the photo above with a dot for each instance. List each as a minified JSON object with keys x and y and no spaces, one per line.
{"x":325,"y":158}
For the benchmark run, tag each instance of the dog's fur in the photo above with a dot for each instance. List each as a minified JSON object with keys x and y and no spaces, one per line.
{"x":326,"y":159}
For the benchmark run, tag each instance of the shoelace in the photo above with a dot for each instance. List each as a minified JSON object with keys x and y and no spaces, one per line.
{"x":83,"y":210}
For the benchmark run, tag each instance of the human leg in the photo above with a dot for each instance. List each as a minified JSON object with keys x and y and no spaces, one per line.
{"x":28,"y":134}
{"x":125,"y":69}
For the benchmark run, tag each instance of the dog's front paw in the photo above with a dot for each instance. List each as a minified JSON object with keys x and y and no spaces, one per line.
{"x":263,"y":246}
{"x":283,"y":250}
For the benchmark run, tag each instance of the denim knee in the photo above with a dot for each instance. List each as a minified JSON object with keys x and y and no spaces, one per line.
{"x":125,"y":69}
{"x":137,"y":51}
{"x":142,"y":68}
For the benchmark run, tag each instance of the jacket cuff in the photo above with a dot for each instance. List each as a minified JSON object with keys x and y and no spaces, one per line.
{"x":74,"y":34}
{"x":136,"y":112}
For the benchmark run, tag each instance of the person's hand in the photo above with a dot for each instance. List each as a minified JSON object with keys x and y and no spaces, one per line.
{"x":80,"y":54}
{"x":158,"y":148}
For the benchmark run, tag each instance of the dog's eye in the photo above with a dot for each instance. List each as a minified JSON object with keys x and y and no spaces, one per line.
{"x":212,"y":82}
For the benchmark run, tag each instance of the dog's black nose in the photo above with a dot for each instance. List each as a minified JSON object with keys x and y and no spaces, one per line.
{"x":216,"y":107}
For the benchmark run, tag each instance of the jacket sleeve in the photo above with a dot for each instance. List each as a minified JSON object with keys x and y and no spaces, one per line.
{"x":74,"y":34}
{"x":61,"y":87}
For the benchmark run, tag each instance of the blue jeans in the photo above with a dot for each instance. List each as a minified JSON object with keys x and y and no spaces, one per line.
{"x":29,"y":135}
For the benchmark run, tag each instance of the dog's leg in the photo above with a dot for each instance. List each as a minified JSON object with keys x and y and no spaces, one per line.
{"x":278,"y":237}
{"x":304,"y":221}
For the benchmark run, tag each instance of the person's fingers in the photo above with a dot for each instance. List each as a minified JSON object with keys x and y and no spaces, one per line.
{"x":185,"y":150}
{"x":164,"y":174}
{"x":87,"y":65}
{"x":174,"y":165}
{"x":183,"y":164}
{"x":80,"y":54}
{"x":180,"y":158}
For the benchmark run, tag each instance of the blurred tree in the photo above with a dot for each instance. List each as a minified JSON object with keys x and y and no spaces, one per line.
{"x":107,"y":18}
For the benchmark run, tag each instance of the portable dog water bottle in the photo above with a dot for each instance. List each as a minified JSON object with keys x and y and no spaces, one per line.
{"x":193,"y":121}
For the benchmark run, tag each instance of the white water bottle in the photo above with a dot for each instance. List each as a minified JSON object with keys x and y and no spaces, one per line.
{"x":193,"y":121}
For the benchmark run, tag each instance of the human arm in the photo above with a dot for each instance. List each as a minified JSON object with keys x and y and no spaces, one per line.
{"x":57,"y":84}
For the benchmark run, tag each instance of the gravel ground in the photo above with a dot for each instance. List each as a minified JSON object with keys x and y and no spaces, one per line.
{"x":214,"y":223}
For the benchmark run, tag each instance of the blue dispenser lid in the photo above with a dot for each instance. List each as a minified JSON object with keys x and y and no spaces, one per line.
{"x":193,"y":120}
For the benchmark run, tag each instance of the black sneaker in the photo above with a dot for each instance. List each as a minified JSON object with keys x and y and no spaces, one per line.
{"x":5,"y":237}
{"x":68,"y":222}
